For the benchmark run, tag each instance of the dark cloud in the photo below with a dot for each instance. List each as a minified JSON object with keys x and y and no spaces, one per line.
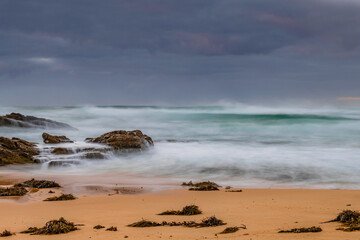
{"x":185,"y":51}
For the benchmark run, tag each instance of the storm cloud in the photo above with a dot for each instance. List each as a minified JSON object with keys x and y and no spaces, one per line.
{"x":177,"y":52}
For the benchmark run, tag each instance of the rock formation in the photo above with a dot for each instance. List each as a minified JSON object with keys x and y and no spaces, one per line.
{"x":16,"y":150}
{"x":121,"y":140}
{"x":55,"y":139}
{"x":19,"y":120}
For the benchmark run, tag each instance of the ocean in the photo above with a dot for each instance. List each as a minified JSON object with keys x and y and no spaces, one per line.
{"x":238,"y":145}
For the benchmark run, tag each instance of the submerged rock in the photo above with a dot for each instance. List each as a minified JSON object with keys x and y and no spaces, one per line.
{"x":22,"y":121}
{"x":17,"y":150}
{"x":51,"y":139}
{"x":60,"y":163}
{"x":121,"y":140}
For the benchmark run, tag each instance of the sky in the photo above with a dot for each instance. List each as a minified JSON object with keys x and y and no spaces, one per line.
{"x":178,"y":52}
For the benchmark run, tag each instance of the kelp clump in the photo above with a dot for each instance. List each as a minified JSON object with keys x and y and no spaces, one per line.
{"x":236,"y":190}
{"x":6,"y":233}
{"x":302,"y":230}
{"x":38,"y":184}
{"x":13,"y":191}
{"x":211,"y":222}
{"x":53,"y":227}
{"x":112,"y":228}
{"x":350,"y":220}
{"x":206,"y":222}
{"x":201,"y":186}
{"x":98,"y":226}
{"x":232,"y":229}
{"x":187,"y":211}
{"x":144,"y":223}
{"x":30,"y":230}
{"x":62,"y":197}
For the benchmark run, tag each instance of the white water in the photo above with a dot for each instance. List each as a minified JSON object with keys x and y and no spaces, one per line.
{"x":239,"y":145}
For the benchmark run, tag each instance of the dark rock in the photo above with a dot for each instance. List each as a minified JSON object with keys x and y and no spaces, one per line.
{"x":120,"y":140}
{"x":61,"y":151}
{"x":55,"y":139}
{"x":19,"y":120}
{"x":16,"y":150}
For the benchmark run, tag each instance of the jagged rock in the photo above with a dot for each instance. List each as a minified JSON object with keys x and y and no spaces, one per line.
{"x":22,"y":121}
{"x":120,"y":140}
{"x":55,"y":139}
{"x":62,"y":151}
{"x":17,"y":150}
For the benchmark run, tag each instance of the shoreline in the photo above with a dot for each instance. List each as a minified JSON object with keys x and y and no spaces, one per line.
{"x":263,"y":211}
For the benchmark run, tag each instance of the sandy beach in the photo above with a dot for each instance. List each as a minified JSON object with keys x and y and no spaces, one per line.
{"x":263,"y":211}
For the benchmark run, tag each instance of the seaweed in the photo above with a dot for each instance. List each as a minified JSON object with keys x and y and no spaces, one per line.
{"x":30,"y":230}
{"x":201,"y":186}
{"x":112,"y":228}
{"x":206,"y":222}
{"x":62,"y":197}
{"x":187,"y":210}
{"x":13,"y":191}
{"x":302,"y":230}
{"x":6,"y":233}
{"x":232,"y":229}
{"x":349,"y":219}
{"x":211,"y":222}
{"x":239,"y":190}
{"x":204,"y":188}
{"x":53,"y":227}
{"x":38,"y":184}
{"x":98,"y":226}
{"x":144,"y":223}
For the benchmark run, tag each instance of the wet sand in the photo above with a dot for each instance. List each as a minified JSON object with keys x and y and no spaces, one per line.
{"x":263,"y":211}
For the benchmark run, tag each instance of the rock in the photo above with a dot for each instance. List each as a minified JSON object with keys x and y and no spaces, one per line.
{"x":22,"y":121}
{"x":62,"y":151}
{"x":60,"y":163}
{"x":16,"y":150}
{"x":121,"y":140}
{"x":93,"y":155}
{"x":55,"y":139}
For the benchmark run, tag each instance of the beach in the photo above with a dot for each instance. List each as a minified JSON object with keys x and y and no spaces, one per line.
{"x":297,"y":168}
{"x":263,"y":211}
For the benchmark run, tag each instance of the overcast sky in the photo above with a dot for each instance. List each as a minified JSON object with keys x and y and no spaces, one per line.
{"x":177,"y":52}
